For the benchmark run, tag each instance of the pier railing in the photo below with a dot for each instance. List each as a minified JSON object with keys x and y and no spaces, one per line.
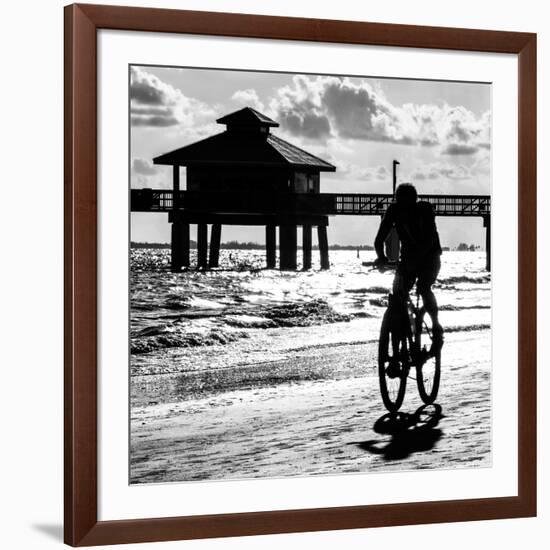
{"x":354,"y":204}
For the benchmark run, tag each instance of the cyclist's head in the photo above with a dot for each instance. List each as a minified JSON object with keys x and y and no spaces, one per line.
{"x":405,"y":194}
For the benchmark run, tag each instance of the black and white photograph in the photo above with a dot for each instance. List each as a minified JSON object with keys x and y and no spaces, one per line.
{"x":310,"y":274}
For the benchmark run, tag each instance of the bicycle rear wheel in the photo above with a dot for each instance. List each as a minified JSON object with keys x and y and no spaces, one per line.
{"x":393,"y":365}
{"x":428,"y":368}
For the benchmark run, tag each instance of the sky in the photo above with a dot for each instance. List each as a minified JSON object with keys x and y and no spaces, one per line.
{"x":440,"y":132}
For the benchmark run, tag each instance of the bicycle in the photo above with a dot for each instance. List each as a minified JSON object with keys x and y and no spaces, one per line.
{"x":405,"y":342}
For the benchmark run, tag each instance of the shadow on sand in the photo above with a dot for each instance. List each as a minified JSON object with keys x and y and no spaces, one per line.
{"x":409,"y":433}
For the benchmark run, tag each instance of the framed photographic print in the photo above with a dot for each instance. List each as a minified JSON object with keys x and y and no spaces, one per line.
{"x":298,"y":253}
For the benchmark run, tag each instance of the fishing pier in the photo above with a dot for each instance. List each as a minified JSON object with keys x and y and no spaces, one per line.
{"x":248,"y":176}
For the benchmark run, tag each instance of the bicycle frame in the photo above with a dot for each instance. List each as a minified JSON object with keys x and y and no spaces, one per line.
{"x":409,"y":314}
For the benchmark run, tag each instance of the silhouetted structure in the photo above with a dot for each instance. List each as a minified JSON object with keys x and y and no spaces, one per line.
{"x":248,"y":176}
{"x":244,"y":165}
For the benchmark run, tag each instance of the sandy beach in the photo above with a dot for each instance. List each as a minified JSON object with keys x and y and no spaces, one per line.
{"x":317,"y":411}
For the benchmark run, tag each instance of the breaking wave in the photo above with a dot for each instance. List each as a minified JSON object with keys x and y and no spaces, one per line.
{"x":461,"y":279}
{"x":185,"y":340}
{"x":176,"y":334}
{"x":368,"y":290}
{"x":468,"y":328}
{"x":451,"y":307}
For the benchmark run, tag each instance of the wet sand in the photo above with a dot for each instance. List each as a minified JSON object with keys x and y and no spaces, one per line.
{"x":317,"y":413}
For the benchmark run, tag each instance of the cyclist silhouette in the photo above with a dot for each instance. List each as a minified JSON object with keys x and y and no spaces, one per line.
{"x":420,"y":258}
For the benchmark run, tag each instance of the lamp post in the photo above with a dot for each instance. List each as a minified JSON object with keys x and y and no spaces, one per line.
{"x":392,"y":241}
{"x":395,"y":163}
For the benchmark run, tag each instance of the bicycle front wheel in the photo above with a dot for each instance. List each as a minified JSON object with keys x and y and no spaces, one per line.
{"x":393,"y":363}
{"x":428,"y":369}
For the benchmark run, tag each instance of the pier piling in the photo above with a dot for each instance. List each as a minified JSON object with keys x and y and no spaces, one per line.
{"x":202,"y":245}
{"x":288,"y":246}
{"x":271,"y":246}
{"x":215,"y":237}
{"x":176,"y":248}
{"x":306,"y":246}
{"x":487,"y":225}
{"x":323,"y":246}
{"x":180,"y":246}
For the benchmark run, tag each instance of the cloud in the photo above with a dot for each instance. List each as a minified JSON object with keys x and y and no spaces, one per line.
{"x":459,"y":172}
{"x":159,"y":121}
{"x":145,"y":174}
{"x":144,"y":167}
{"x":248,"y":98}
{"x":382,"y":173}
{"x":147,"y":89}
{"x":438,"y":171}
{"x":482,"y":165}
{"x":422,"y":175}
{"x":339,"y":108}
{"x":440,"y":177}
{"x":460,"y":149}
{"x":358,"y":112}
{"x":307,"y":125}
{"x":156,"y":104}
{"x":320,"y":108}
{"x":361,"y":173}
{"x":464,"y":133}
{"x":153,"y":102}
{"x":300,"y":110}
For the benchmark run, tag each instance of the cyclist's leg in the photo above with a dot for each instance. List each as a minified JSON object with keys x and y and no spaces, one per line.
{"x":426,"y":278}
{"x":402,"y":283}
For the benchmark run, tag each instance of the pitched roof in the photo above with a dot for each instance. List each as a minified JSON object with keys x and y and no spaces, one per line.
{"x":298,"y":157}
{"x":247,"y":116}
{"x":245,"y":149}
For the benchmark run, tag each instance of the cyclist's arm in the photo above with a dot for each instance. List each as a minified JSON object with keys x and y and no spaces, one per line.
{"x":383,"y":232}
{"x":431,"y":239}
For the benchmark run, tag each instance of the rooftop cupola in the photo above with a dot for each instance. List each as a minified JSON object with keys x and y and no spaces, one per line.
{"x":247,"y":121}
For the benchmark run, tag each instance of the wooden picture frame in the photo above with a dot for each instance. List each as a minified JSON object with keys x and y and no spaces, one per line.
{"x":82,"y":528}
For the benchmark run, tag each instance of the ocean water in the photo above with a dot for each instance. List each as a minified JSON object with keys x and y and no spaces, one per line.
{"x":241,"y":315}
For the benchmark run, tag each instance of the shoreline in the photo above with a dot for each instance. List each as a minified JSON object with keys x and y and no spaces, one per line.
{"x":316,"y":413}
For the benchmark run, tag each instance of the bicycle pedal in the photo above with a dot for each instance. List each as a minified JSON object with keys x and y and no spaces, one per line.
{"x":393,"y":370}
